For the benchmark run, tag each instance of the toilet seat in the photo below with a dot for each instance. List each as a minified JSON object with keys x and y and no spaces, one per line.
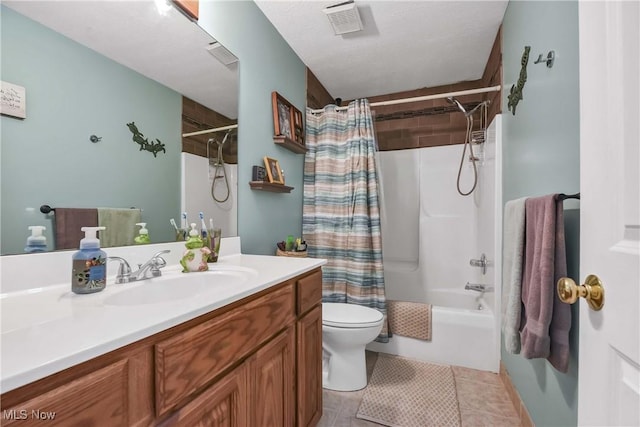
{"x":340,"y":315}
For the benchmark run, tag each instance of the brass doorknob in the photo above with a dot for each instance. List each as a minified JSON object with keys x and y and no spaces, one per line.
{"x":592,"y":291}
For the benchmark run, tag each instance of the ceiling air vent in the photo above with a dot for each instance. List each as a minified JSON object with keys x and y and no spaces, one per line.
{"x":221,"y":53}
{"x":344,"y":17}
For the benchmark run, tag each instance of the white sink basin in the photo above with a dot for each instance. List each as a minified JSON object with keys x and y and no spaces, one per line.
{"x":178,"y":286}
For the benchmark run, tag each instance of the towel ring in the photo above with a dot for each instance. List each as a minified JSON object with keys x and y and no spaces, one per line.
{"x":592,"y":291}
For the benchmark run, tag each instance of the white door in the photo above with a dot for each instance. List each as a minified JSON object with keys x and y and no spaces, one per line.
{"x":609,"y":374}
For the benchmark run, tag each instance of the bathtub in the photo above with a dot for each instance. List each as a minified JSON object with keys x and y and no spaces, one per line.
{"x":462,"y":333}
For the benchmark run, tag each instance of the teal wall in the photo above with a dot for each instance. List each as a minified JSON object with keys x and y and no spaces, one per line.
{"x":267,"y":64}
{"x":73,"y":92}
{"x":541,"y":156}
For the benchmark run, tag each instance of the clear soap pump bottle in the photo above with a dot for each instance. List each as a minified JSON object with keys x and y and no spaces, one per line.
{"x":89,"y":272}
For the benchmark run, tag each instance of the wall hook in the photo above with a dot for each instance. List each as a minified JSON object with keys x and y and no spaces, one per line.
{"x":551,"y":56}
{"x":95,"y":139}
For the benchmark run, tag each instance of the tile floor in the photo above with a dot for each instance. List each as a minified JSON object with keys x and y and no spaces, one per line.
{"x":482,"y":397}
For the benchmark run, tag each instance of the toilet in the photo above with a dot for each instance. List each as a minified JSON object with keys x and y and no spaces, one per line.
{"x":346,"y":330}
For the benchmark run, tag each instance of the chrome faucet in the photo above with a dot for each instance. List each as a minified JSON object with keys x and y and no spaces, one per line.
{"x":478,"y":287}
{"x":482,"y":263}
{"x":145,"y":271}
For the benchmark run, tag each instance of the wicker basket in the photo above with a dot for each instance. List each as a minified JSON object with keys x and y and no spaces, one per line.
{"x":302,"y":254}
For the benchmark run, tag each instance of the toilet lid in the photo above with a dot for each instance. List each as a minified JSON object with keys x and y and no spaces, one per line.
{"x":349,"y":315}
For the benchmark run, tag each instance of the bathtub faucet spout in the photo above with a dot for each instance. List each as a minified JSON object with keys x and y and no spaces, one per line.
{"x":478,"y":287}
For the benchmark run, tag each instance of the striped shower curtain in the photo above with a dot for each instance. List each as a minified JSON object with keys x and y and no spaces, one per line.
{"x":341,"y":214}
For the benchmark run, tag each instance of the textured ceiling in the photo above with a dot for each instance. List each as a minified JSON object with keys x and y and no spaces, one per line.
{"x":405,"y":45}
{"x":169,"y":49}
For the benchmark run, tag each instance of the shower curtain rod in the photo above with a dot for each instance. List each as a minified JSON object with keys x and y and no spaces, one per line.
{"x":424,"y":98}
{"x":202,"y":132}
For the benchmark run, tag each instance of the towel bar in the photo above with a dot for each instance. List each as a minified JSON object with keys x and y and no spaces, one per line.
{"x":45,"y":209}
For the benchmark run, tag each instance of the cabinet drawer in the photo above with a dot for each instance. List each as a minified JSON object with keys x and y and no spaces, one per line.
{"x":99,"y":398}
{"x":309,"y":291}
{"x":189,"y":360}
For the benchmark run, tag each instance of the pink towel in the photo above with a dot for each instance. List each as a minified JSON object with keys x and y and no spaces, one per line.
{"x":546,"y":320}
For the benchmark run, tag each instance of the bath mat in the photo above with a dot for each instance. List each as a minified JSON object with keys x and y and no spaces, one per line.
{"x":410,"y":319}
{"x":405,"y":392}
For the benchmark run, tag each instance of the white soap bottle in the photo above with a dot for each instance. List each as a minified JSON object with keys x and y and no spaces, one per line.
{"x":36,"y":242}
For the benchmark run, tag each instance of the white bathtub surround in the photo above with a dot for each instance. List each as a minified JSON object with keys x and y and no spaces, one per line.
{"x":402,"y":246}
{"x":76,"y":328}
{"x":452,"y":230}
{"x":197,"y":177}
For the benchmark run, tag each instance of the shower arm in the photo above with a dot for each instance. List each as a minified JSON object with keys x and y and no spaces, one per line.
{"x":483,"y":103}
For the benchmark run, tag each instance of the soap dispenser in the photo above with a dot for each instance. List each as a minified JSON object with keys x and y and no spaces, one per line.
{"x":143,"y":234}
{"x":89,"y":273}
{"x":196,"y":255}
{"x":36,"y":242}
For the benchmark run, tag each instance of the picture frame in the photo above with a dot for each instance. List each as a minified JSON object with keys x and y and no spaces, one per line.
{"x":282,"y":116}
{"x":274,"y":173}
{"x":13,"y":100}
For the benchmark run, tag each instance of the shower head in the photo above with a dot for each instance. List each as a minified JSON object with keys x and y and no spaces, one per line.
{"x":454,"y":101}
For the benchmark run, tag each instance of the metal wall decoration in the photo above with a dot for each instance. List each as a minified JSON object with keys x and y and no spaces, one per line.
{"x":515,"y":93}
{"x":138,"y":138}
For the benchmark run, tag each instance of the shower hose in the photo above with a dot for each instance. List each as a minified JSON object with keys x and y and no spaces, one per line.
{"x":472,"y":157}
{"x":219,"y":166}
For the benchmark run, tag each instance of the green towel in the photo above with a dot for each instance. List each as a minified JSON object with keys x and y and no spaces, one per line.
{"x":120,"y":226}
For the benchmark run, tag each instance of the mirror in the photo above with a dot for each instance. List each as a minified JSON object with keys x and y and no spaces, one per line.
{"x":88,"y":69}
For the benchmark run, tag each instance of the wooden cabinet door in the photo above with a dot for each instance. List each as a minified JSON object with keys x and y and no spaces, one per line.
{"x":273,"y":384}
{"x":224,"y":404}
{"x":309,"y":337}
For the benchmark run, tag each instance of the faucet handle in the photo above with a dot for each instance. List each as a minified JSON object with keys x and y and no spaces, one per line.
{"x":158,"y":262}
{"x":124,"y":270}
{"x":482,"y":263}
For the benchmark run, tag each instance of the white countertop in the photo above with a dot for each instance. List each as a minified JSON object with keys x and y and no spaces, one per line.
{"x":48,"y":329}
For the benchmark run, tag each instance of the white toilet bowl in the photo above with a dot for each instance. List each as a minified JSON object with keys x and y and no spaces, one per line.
{"x":346,"y":330}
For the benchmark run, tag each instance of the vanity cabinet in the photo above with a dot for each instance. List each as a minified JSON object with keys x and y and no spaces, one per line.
{"x":250,"y":363}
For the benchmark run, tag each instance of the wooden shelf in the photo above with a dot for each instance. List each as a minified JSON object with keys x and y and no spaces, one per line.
{"x":289,"y":144}
{"x":267,"y":186}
